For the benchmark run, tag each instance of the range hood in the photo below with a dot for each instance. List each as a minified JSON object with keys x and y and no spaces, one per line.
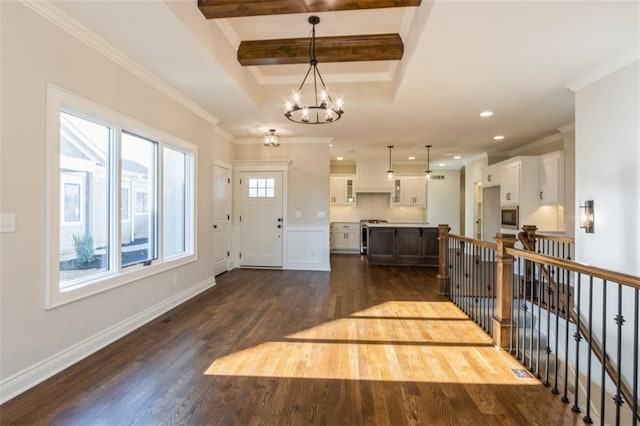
{"x":371,"y":177}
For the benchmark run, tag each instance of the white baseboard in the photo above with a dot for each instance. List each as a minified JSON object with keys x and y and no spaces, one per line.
{"x":28,"y":378}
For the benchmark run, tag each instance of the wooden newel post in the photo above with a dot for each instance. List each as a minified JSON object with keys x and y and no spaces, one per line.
{"x":528,"y":237}
{"x":504,"y":296}
{"x":443,"y":258}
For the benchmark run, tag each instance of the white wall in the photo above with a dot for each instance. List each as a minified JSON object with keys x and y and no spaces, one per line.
{"x":608,"y":172}
{"x":36,"y":342}
{"x":473,"y":174}
{"x":443,"y":200}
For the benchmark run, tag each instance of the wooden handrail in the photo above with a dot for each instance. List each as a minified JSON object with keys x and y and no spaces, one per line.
{"x":583,"y":268}
{"x":480,"y":243}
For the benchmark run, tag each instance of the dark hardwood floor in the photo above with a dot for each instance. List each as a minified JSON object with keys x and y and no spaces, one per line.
{"x":360,"y":345}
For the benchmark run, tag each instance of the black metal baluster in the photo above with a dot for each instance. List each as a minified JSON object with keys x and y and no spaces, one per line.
{"x":603,"y":375}
{"x":540,"y":292}
{"x":516,"y":290}
{"x":557,"y":342}
{"x":565,"y":397}
{"x":531,"y":293}
{"x":619,"y":318}
{"x":587,"y":417}
{"x":476,"y":262}
{"x":577,"y":337}
{"x":548,"y":348}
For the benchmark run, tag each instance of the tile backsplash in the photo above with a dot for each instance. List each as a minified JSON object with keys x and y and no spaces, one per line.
{"x":376,"y":206}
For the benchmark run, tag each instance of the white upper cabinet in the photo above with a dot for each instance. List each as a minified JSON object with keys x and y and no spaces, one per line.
{"x":510,"y":184}
{"x":342,"y":190}
{"x":409,"y":191}
{"x":551,"y":178}
{"x":490,"y":176}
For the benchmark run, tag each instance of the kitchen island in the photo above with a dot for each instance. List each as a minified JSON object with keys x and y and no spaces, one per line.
{"x":413,"y":244}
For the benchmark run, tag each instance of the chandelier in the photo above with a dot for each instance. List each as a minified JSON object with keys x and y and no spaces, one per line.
{"x":271,"y":139}
{"x":325,"y":111}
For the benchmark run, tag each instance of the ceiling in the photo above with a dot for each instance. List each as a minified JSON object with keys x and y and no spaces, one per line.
{"x":515,"y":58}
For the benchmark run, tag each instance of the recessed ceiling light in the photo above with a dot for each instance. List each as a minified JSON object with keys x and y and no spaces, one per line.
{"x":498,"y":138}
{"x":339,"y":158}
{"x":412,"y":158}
{"x":485,"y":114}
{"x":441,"y":164}
{"x":457,"y":157}
{"x":330,"y":145}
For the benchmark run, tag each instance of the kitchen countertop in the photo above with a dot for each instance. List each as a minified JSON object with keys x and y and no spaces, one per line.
{"x":399,"y":225}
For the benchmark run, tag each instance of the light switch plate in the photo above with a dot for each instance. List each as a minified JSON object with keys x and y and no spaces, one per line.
{"x":322,"y":213}
{"x":7,"y":223}
{"x":298,"y":213}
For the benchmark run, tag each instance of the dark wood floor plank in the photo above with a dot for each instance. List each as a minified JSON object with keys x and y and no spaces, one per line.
{"x":362,"y":345}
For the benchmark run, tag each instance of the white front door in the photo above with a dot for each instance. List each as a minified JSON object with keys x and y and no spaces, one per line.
{"x":260,"y":218}
{"x":221,"y":198}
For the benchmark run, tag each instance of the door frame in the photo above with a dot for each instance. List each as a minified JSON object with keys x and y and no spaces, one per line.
{"x":222,"y":164}
{"x":240,"y":166}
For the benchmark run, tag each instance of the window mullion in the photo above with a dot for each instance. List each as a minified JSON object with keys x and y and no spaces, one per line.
{"x":115,"y":172}
{"x":159,"y":200}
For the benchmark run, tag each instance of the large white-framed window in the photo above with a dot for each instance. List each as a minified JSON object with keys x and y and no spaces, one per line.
{"x":120,"y":199}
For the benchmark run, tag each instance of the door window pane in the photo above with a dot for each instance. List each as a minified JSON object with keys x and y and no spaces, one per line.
{"x":174,"y":182}
{"x":84,"y":221}
{"x":138,"y":165}
{"x":262,"y":188}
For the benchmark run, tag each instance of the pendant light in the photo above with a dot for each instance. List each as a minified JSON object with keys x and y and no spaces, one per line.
{"x":271,"y":139}
{"x":428,"y":171}
{"x":390,"y":171}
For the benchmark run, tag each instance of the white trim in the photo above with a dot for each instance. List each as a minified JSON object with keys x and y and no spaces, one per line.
{"x":228,"y":137}
{"x":49,"y":11}
{"x":31,"y":376}
{"x":605,"y":69}
{"x":567,"y":128}
{"x":364,"y":77}
{"x":262,"y":166}
{"x":228,"y":31}
{"x":535,"y":144}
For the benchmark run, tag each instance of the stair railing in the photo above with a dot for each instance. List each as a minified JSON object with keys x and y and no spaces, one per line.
{"x":534,"y":303}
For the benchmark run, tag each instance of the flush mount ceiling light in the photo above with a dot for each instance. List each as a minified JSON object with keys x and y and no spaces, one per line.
{"x":390,"y":171}
{"x":271,"y":139}
{"x":498,"y":137}
{"x":428,"y":171}
{"x":321,"y":112}
{"x":485,"y":114}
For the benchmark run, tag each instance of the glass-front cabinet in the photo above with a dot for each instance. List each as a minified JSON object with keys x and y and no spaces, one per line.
{"x":409,"y":191}
{"x":342,"y":190}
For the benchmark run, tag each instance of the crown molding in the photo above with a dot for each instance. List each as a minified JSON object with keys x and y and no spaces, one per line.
{"x":225,"y":135}
{"x":328,"y":78}
{"x":53,"y":14}
{"x":228,"y":31}
{"x":299,"y":141}
{"x":605,"y":69}
{"x":567,"y":128}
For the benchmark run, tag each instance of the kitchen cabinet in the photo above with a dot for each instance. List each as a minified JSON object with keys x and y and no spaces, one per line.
{"x":342,"y":190}
{"x":510,"y":184}
{"x":409,"y":191}
{"x":490,"y":176}
{"x":345,"y":237}
{"x":552,"y":178}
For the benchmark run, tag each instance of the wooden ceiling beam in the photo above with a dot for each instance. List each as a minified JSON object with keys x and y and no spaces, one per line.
{"x":213,"y":9}
{"x":371,"y":47}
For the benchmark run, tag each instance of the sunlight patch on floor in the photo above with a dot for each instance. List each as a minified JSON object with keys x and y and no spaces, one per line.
{"x":394,"y":341}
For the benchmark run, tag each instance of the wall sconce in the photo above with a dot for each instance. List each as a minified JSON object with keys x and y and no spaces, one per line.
{"x":586,"y":216}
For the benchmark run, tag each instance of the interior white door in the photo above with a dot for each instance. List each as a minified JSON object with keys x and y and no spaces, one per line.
{"x":221,"y":217}
{"x":260,"y":218}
